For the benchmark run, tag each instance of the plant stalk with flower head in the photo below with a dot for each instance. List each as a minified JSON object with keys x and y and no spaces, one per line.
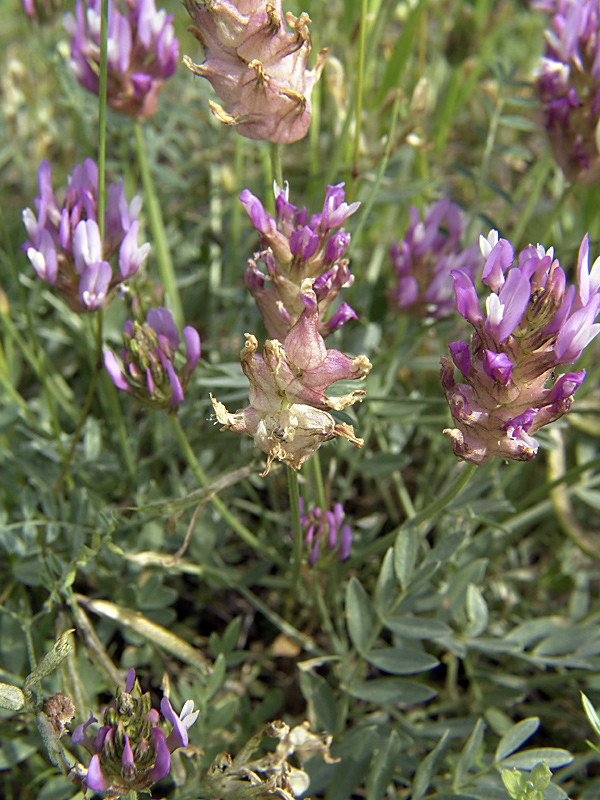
{"x":64,"y":245}
{"x":148,"y":355}
{"x":288,"y":415}
{"x":142,"y":53}
{"x":297,"y":248}
{"x":257,"y":66}
{"x":533,"y":324}
{"x":130,"y":750}
{"x":424,"y":259}
{"x":569,"y":86}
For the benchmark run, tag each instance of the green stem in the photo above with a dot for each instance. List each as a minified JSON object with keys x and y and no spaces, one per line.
{"x":359,"y":93}
{"x":216,"y":502}
{"x":88,"y":402}
{"x":276,"y":167}
{"x":298,"y":543}
{"x":102,"y":116}
{"x":391,"y":135}
{"x":163,"y":254}
{"x":429,"y":513}
{"x":315,"y":463}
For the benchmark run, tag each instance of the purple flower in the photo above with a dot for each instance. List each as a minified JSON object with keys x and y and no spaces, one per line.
{"x":569,"y":86}
{"x":150,"y":348}
{"x":288,"y":415}
{"x":294,"y":250}
{"x":533,"y":325}
{"x":142,"y":52}
{"x":325,"y":526}
{"x":426,"y":256}
{"x":257,"y":66}
{"x":64,"y":245}
{"x":130,"y":751}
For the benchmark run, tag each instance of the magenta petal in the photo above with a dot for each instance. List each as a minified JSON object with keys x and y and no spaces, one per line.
{"x":467,"y":301}
{"x":176,"y":390}
{"x":161,"y":320}
{"x":162,"y":764}
{"x":130,"y":677}
{"x":79,"y":734}
{"x":179,"y":735}
{"x":119,"y":379}
{"x":191,"y":338}
{"x":94,"y":779}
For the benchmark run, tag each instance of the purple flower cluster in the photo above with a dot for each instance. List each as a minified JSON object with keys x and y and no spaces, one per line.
{"x":297,"y":248}
{"x":64,"y":245}
{"x":257,"y":66}
{"x":130,"y":751}
{"x":328,"y":527}
{"x":148,"y":356}
{"x":532,"y":325}
{"x":288,"y":415}
{"x":569,"y":86}
{"x":142,"y":52}
{"x":424,"y":259}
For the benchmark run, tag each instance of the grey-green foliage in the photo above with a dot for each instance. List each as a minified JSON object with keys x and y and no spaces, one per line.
{"x":424,"y":610}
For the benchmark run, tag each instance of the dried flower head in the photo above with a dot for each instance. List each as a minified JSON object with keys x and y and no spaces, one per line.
{"x":142,"y":52}
{"x":296,"y":248}
{"x":148,"y":360}
{"x":257,"y":66}
{"x":64,"y":245}
{"x":288,"y":415}
{"x":532,"y":325}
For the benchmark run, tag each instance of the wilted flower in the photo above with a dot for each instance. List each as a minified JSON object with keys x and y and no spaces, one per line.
{"x":142,"y":52}
{"x":148,"y":355}
{"x":64,"y":245}
{"x":325,"y":526}
{"x":257,"y":66}
{"x":532,"y":325}
{"x":425,"y":257}
{"x":130,"y":751}
{"x":569,"y":86}
{"x":288,"y":415}
{"x":296,"y":248}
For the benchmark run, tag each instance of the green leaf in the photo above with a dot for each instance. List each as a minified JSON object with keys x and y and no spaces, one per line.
{"x":321,"y":698}
{"x":469,"y":755}
{"x":401,"y":52}
{"x":528,"y":759}
{"x":383,"y":769}
{"x":405,"y":554}
{"x":417,"y":627}
{"x":359,"y":615}
{"x":385,"y":588}
{"x":517,"y":122}
{"x":401,"y":661}
{"x":515,"y":737}
{"x":477,"y":612}
{"x":591,"y":713}
{"x":424,"y":772}
{"x":391,"y":690}
{"x":14,"y":752}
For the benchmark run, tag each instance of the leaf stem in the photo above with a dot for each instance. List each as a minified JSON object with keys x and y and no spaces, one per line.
{"x":166,"y":269}
{"x":216,"y":502}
